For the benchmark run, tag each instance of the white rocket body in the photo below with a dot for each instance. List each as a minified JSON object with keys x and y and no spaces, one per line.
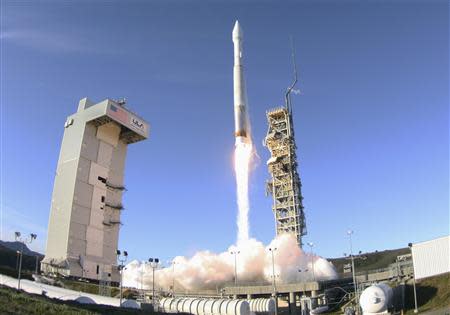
{"x":241,"y":120}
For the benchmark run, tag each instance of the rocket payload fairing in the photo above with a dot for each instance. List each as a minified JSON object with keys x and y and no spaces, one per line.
{"x":241,"y":119}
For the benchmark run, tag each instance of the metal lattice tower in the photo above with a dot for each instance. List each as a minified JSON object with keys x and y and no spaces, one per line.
{"x":284,"y":185}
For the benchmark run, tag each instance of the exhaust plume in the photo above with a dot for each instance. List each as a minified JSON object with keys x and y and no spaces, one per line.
{"x":242,"y":160}
{"x":207,"y":270}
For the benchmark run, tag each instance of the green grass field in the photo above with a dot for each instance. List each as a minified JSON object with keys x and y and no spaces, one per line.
{"x":432,"y":294}
{"x":86,"y":287}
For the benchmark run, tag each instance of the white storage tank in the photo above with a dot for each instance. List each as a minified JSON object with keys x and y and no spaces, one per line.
{"x":205,"y":306}
{"x":223,"y":307}
{"x":376,"y":299}
{"x":180,"y":305}
{"x":187,"y":306}
{"x":194,"y":306}
{"x":201,"y":307}
{"x":131,"y":304}
{"x":165,"y":304}
{"x":237,"y":307}
{"x":84,"y":300}
{"x":209,"y":307}
{"x":262,"y":306}
{"x":216,"y":306}
{"x":177,"y":304}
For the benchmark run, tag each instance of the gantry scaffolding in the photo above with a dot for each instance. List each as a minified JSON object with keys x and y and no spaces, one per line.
{"x":284,"y":185}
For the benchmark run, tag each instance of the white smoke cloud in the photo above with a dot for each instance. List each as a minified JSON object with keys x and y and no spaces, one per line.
{"x":206,"y":270}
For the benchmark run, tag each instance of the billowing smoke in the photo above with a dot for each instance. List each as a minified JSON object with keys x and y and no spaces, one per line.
{"x":206,"y":270}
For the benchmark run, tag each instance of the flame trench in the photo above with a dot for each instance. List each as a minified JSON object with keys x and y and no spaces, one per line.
{"x":242,"y":160}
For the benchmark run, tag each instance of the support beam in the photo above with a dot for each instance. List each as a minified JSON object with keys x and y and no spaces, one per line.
{"x":275,"y":296}
{"x":293,"y":310}
{"x":313,"y":299}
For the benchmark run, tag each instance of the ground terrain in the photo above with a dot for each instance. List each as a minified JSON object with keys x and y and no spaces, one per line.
{"x":433,"y":293}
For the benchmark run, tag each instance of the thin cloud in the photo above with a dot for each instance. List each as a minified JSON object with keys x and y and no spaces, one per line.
{"x":52,"y":41}
{"x":14,"y":220}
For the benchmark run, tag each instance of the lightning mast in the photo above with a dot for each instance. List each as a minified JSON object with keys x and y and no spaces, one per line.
{"x":284,"y":184}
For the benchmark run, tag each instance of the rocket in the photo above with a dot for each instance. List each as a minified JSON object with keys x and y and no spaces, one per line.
{"x":241,"y":119}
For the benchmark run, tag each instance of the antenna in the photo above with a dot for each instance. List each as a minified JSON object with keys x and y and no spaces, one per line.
{"x":291,"y":87}
{"x":122,"y":101}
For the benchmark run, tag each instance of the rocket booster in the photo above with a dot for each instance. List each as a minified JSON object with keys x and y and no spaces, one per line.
{"x":241,"y":119}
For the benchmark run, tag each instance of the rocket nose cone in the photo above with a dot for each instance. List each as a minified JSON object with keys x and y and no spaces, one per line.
{"x":237,"y":31}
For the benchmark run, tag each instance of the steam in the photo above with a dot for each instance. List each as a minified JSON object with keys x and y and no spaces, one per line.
{"x":206,"y":270}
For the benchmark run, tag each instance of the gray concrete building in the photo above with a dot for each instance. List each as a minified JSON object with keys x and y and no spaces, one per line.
{"x":86,"y":204}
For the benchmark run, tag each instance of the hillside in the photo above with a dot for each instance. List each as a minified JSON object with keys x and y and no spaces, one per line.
{"x":15,"y":246}
{"x":8,"y":260}
{"x":371,"y":261}
{"x":432,"y":294}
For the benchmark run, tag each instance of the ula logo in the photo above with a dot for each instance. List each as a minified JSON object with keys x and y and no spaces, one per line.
{"x":137,"y":123}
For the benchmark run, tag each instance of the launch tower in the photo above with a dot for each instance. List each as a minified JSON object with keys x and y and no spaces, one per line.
{"x":84,"y":222}
{"x":284,"y":184}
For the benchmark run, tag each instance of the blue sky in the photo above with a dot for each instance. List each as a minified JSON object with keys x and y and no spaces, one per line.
{"x":372,"y":120}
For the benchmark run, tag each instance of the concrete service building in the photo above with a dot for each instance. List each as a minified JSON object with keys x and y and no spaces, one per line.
{"x":86,"y":203}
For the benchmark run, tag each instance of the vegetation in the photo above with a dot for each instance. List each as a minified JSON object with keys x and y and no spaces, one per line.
{"x":8,"y":258}
{"x":9,"y":262}
{"x":432,"y":294}
{"x":371,"y":261}
{"x":8,"y":271}
{"x":87,"y":287}
{"x":13,"y":302}
{"x":16,"y":245}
